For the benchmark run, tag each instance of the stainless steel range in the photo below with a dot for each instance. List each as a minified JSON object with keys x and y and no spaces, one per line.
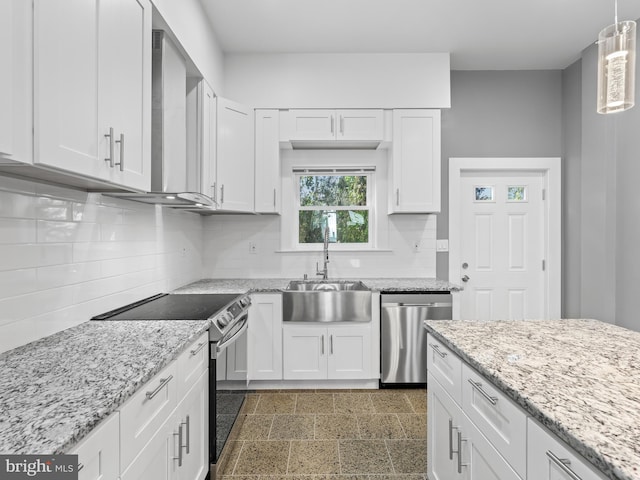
{"x":228,"y":314}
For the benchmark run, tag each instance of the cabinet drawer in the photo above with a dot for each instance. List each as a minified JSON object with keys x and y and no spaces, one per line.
{"x":445,"y":366}
{"x":191,"y":363}
{"x":550,"y":458}
{"x":497,"y":417}
{"x":98,"y":454}
{"x":146,"y":411}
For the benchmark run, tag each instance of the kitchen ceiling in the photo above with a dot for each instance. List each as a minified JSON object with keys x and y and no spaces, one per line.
{"x":479,"y":34}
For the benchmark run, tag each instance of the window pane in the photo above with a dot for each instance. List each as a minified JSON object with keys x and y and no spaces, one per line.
{"x":333,"y":190}
{"x":517,"y":194}
{"x":345,"y":226}
{"x":484,"y":194}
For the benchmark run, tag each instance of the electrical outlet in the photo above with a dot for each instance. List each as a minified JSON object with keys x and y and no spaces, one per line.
{"x":253,"y":249}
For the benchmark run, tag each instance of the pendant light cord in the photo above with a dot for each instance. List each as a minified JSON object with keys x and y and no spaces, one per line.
{"x":615,"y":12}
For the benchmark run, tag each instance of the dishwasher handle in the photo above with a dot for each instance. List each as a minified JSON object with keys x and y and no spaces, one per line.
{"x":407,"y":305}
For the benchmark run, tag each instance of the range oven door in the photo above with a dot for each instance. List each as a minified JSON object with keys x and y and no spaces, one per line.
{"x":227,"y":384}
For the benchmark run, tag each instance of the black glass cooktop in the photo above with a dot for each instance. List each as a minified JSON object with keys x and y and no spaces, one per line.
{"x":172,"y":307}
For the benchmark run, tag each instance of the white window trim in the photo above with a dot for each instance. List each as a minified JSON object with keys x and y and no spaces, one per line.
{"x":376,"y":196}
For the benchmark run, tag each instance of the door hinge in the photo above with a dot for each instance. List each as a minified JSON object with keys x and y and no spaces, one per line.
{"x":544,"y":193}
{"x":544,"y":265}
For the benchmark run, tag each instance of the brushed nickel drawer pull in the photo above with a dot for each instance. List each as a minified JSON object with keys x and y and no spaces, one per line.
{"x":110,"y":158}
{"x":436,"y":348}
{"x":163,"y":382}
{"x":478,"y":387}
{"x":563,"y":464}
{"x":179,"y":435}
{"x":80,"y":466}
{"x":198,"y":348}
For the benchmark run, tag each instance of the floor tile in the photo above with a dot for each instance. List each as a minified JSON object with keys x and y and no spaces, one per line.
{"x":336,"y":426}
{"x":314,"y":403}
{"x":418,"y":400}
{"x":256,"y":427}
{"x":250,"y":402}
{"x":314,"y":457}
{"x":408,"y":456}
{"x":289,"y":427}
{"x":353,"y":403}
{"x":263,"y":458}
{"x":234,"y":453}
{"x":380,"y":425}
{"x":364,"y":456}
{"x":391,"y":403}
{"x":276,"y":403}
{"x":414,"y":425}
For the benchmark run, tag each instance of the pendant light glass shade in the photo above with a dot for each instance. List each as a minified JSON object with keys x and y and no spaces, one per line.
{"x":616,"y":67}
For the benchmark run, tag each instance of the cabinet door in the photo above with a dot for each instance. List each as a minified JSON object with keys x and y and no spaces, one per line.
{"x":305,"y":352}
{"x":16,"y":97}
{"x":349,"y":352}
{"x":235,"y":147}
{"x":312,"y":125}
{"x":209,"y":165}
{"x":267,"y":153}
{"x":360,"y":125}
{"x":483,"y":462}
{"x":443,"y":424}
{"x":237,"y":359}
{"x":66,"y":86}
{"x":158,"y":458}
{"x":99,"y":453}
{"x":124,"y":102}
{"x":264,"y":336}
{"x":194,"y":418}
{"x":548,"y":458}
{"x":415,"y":162}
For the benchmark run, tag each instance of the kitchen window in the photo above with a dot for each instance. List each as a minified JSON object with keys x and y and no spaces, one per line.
{"x":337,"y":199}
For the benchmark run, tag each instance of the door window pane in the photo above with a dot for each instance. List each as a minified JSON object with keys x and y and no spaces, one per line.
{"x":484,"y":194}
{"x":517,"y":193}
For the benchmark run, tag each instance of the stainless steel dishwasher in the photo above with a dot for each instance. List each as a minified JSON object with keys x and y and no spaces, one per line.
{"x":403,"y":339}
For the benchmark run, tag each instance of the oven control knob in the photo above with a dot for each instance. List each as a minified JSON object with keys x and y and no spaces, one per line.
{"x":224,"y":319}
{"x":244,"y":301}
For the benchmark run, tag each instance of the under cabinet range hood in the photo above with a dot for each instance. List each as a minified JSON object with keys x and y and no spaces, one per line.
{"x":175,"y":176}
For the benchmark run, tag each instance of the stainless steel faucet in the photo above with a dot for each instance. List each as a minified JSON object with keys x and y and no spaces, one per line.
{"x":325,"y":271}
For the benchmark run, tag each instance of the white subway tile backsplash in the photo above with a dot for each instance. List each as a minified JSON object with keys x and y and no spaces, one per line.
{"x":67,"y":255}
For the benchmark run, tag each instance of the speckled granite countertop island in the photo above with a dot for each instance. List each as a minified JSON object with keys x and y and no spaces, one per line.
{"x":580,"y":378}
{"x":242,"y":285}
{"x":54,"y":391}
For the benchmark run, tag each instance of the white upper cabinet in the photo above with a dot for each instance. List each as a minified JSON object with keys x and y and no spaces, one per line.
{"x":92,"y":89}
{"x":208,"y":122}
{"x":235,"y":156}
{"x":415,"y":162}
{"x":319,"y":125}
{"x":16,"y":81}
{"x":267,"y":175}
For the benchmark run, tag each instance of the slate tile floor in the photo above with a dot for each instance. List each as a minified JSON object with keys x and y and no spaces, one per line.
{"x":332,"y":435}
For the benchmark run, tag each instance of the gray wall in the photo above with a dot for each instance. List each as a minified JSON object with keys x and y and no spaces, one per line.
{"x":498,"y":114}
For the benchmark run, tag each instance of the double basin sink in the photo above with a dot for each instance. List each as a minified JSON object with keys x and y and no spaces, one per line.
{"x":326,"y":301}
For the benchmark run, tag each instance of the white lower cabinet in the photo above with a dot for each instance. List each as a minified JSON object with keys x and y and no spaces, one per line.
{"x":551,"y":459}
{"x":264,"y":337}
{"x":313,"y":352}
{"x":98,"y":453}
{"x":474,"y":432}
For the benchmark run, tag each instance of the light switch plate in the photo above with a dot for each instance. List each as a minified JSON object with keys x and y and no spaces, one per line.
{"x":442,"y":245}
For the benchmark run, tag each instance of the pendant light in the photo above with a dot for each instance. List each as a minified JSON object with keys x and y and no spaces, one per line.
{"x":616,"y":66}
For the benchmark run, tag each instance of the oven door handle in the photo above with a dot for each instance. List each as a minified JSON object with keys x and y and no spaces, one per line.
{"x":230,"y":340}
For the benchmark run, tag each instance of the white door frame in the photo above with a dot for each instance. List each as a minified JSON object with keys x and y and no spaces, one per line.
{"x":551,"y":170}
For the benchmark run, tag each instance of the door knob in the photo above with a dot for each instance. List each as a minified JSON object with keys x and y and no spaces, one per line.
{"x":465,"y":265}
{"x":465,"y":278}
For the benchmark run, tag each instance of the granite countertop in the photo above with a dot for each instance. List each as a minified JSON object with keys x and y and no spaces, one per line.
{"x":579,"y":378}
{"x":55,"y":390}
{"x":239,"y":285}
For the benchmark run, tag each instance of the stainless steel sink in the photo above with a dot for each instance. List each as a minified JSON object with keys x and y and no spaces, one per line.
{"x":326,"y":301}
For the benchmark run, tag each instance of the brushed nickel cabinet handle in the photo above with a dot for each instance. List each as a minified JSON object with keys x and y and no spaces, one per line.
{"x":397,"y":197}
{"x":341,"y":125}
{"x":436,"y":348}
{"x":188,"y":429}
{"x":331,"y":124}
{"x":110,"y":158}
{"x":274,"y":197}
{"x":331,"y":344}
{"x":198,"y":348}
{"x":322,"y":345}
{"x":478,"y":387}
{"x":563,"y":464}
{"x":163,"y":382}
{"x":451,"y":439}
{"x":222,"y":193}
{"x":121,"y":162}
{"x":80,"y":466}
{"x":179,"y":435}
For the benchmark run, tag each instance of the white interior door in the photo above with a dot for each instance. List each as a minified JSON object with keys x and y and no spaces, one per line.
{"x":504,"y":237}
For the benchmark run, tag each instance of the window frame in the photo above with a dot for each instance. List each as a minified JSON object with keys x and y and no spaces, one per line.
{"x":369,"y":207}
